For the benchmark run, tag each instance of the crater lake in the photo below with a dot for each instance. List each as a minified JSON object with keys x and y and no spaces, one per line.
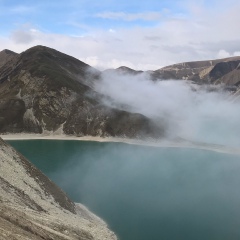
{"x":146,"y":193}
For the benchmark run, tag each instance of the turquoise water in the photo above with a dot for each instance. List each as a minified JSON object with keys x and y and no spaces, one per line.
{"x":146,"y":193}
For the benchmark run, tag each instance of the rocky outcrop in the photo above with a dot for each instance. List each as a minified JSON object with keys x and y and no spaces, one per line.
{"x":43,"y":90}
{"x":33,"y":207}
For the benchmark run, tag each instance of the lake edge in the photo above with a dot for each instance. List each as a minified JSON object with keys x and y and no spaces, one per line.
{"x":161,"y":143}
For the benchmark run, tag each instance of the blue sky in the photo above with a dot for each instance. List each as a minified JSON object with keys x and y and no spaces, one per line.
{"x":68,"y":16}
{"x":141,"y":34}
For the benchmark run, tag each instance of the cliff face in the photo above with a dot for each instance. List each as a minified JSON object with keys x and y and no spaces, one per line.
{"x":43,"y":90}
{"x":33,"y":207}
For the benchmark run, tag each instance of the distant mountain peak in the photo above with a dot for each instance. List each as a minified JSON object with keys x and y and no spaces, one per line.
{"x":8,"y":52}
{"x":123,"y":70}
{"x":6,"y":56}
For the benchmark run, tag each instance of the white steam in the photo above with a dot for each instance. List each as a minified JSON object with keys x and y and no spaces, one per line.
{"x":186,"y":110}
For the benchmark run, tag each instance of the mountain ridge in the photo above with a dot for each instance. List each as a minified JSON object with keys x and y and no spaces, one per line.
{"x":213,"y":71}
{"x":45,"y":91}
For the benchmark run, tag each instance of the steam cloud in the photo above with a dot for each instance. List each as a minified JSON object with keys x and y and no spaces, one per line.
{"x":187,"y":110}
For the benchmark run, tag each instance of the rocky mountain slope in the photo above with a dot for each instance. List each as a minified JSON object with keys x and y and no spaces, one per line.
{"x":220,"y":71}
{"x":43,"y":90}
{"x":226,"y":71}
{"x":32,"y":207}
